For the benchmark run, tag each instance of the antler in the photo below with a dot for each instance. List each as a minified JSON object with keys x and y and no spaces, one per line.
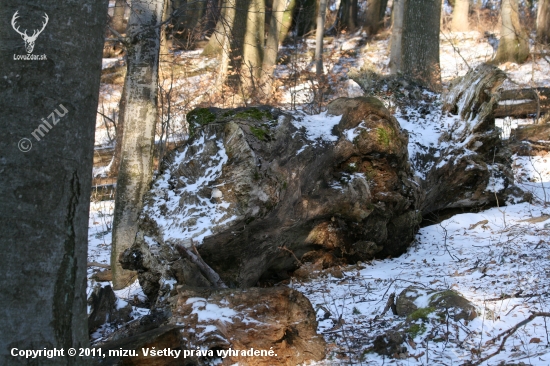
{"x":13,"y":19}
{"x":35,"y":34}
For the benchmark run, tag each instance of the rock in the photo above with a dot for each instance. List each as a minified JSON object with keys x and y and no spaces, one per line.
{"x":419,"y":304}
{"x":258,"y":197}
{"x":106,"y":308}
{"x":278,"y":319}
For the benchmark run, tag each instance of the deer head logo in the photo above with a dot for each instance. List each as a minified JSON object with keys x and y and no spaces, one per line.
{"x":29,"y":40}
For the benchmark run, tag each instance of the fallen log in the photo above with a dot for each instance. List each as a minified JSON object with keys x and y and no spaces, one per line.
{"x":523,"y":102}
{"x":533,"y":133}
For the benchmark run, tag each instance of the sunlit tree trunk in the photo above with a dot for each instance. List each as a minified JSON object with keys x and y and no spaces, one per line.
{"x":253,"y":45}
{"x":45,"y":183}
{"x":420,"y":42}
{"x":460,"y":16}
{"x":543,"y":22}
{"x":224,"y":38}
{"x":140,"y":118}
{"x":396,"y":36}
{"x":319,"y":37}
{"x":513,"y":45}
{"x":272,"y":45}
{"x":118,"y":16}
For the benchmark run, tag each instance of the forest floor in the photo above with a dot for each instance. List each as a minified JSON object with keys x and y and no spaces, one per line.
{"x":499,"y":259}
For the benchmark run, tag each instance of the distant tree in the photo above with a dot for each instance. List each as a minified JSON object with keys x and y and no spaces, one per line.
{"x":140,"y":118}
{"x":396,"y":36}
{"x":319,"y":37}
{"x":118,"y":16}
{"x":272,"y":45}
{"x":45,"y":187}
{"x":460,"y":16}
{"x":252,"y":45}
{"x":420,"y":42}
{"x":514,"y":44}
{"x":346,"y":17}
{"x":543,"y":22}
{"x":376,"y":10}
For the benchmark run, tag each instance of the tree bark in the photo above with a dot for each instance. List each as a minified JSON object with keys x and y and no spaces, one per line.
{"x":373,"y":16}
{"x":253,"y":46}
{"x":140,"y":119}
{"x":513,"y":45}
{"x":215,"y":43}
{"x":460,"y":16}
{"x":543,"y":22}
{"x":272,"y":45}
{"x":420,"y":42}
{"x":347,"y":15}
{"x":117,"y":154}
{"x":118,"y":16}
{"x":224,"y":38}
{"x":319,"y":38}
{"x":397,"y":36}
{"x":45,"y":191}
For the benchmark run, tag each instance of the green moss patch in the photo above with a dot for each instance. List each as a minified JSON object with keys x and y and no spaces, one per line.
{"x":384,"y":136}
{"x":421,"y":314}
{"x":260,"y":133}
{"x":199,"y":117}
{"x":255,"y":114}
{"x":416,"y":329}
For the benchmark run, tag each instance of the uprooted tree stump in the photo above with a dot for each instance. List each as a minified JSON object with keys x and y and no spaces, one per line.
{"x":474,"y":170}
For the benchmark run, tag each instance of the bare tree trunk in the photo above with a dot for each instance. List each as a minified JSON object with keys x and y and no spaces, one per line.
{"x":226,"y":25}
{"x":396,"y":36}
{"x":347,"y":15}
{"x":420,"y":42}
{"x":140,"y":119}
{"x":287,"y":19}
{"x":373,"y":16}
{"x":513,"y":45}
{"x":253,"y":46}
{"x":460,"y":16}
{"x":217,"y":38}
{"x":272,"y":45}
{"x":319,"y":37}
{"x":47,"y":126}
{"x":118,"y":16}
{"x":543,"y":22}
{"x":117,"y":154}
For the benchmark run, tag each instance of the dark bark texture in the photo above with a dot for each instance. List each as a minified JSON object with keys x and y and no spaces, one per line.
{"x":420,"y":41}
{"x":45,"y":192}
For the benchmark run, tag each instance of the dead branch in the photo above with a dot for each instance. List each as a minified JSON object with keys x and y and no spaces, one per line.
{"x":507,"y":333}
{"x":205,"y":269}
